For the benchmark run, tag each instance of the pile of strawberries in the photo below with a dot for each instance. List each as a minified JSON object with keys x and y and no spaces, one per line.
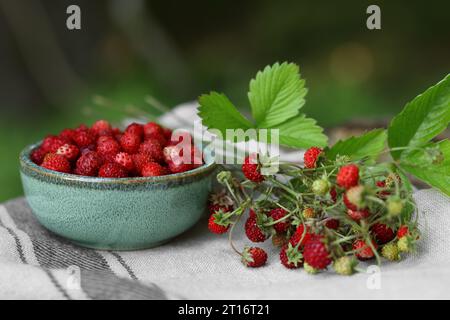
{"x":330,"y":212}
{"x":141,"y":150}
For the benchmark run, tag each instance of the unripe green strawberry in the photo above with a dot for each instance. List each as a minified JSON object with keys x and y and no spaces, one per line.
{"x":308,"y":213}
{"x":320,"y":187}
{"x":394,"y":206}
{"x":404,"y":244}
{"x":310,"y":269}
{"x":345,"y":265}
{"x":391,"y":252}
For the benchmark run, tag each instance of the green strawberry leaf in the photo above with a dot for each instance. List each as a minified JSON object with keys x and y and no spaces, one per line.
{"x":370,"y":144}
{"x":301,"y":132}
{"x":218,"y":112}
{"x":436,"y":175}
{"x":422,"y":119}
{"x":276,"y":94}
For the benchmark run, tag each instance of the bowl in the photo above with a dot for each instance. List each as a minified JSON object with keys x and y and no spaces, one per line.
{"x":116,"y":214}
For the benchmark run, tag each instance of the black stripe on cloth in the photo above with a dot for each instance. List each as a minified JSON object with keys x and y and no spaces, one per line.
{"x":19,"y":247}
{"x":97,"y":279}
{"x":55,"y":282}
{"x":124,"y":264}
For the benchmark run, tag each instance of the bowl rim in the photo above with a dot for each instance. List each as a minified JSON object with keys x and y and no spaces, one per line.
{"x":25,"y":162}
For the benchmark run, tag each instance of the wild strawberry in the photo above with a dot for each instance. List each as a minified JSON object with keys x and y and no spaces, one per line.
{"x":363,"y":251}
{"x":167,"y":133}
{"x":130,"y":143}
{"x":153,"y":148}
{"x":348,"y":204}
{"x":51,"y":144}
{"x":316,"y":253}
{"x":101,"y":127}
{"x":140,"y":160}
{"x":254,"y":257}
{"x":301,"y":235}
{"x":253,"y":232}
{"x":56,"y":162}
{"x":180,"y":137}
{"x":320,"y":187}
{"x":390,"y":251}
{"x":69,"y":151}
{"x":136,"y":129}
{"x":355,"y":195}
{"x":153,"y":169}
{"x":382,"y":233}
{"x":83,"y":138}
{"x":291,"y":257}
{"x":88,"y":164}
{"x":405,"y":244}
{"x":38,"y":155}
{"x":348,"y":176}
{"x":310,"y":157}
{"x":309,"y":269}
{"x":107,"y":146}
{"x":382,"y":184}
{"x":150,"y":129}
{"x":345,"y":265}
{"x":67,"y":135}
{"x":112,"y":170}
{"x":125,"y":160}
{"x":333,"y":194}
{"x":252,"y":213}
{"x":402,"y":231}
{"x":357,"y":215}
{"x":308,"y":213}
{"x":332,"y":224}
{"x":277,"y":214}
{"x":220,"y":201}
{"x":394,"y":206}
{"x":216,"y":228}
{"x":251,"y":169}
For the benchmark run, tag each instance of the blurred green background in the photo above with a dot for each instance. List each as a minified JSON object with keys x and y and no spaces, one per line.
{"x":176,"y":50}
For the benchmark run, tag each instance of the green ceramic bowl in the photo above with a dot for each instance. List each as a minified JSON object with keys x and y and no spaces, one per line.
{"x":116,"y":214}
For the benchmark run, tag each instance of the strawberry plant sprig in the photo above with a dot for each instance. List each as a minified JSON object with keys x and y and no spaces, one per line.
{"x":342,"y":205}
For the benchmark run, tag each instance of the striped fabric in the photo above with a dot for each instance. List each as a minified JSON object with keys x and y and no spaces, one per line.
{"x":36,"y":264}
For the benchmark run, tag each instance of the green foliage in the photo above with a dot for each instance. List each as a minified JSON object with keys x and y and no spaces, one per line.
{"x":276,"y":95}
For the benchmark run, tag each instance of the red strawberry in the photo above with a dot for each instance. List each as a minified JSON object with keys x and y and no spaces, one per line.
{"x":112,"y":170}
{"x":220,"y":201}
{"x":135,"y":129}
{"x":107,"y":146}
{"x":332,"y":224}
{"x":382,"y":184}
{"x":180,"y":137}
{"x":178,"y":168}
{"x":300,"y":235}
{"x":254,"y":257}
{"x":333,"y":194}
{"x":67,"y":135}
{"x":69,"y":151}
{"x":153,"y":148}
{"x":277,"y":214}
{"x":216,"y":228}
{"x":130,"y":142}
{"x":310,"y":157}
{"x":253,"y":232}
{"x":348,"y":204}
{"x":291,"y":257}
{"x":357,"y":215}
{"x":382,"y":233}
{"x":153,"y":169}
{"x":348,"y":176}
{"x":151,"y":129}
{"x":316,"y":253}
{"x":125,"y":160}
{"x":56,"y":162}
{"x":52,"y":143}
{"x":402,"y":231}
{"x":363,"y":251}
{"x":38,"y":155}
{"x":167,"y":133}
{"x":101,"y":128}
{"x":88,"y":164}
{"x":252,"y":213}
{"x":251,"y":169}
{"x":83,"y":138}
{"x":140,"y":160}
